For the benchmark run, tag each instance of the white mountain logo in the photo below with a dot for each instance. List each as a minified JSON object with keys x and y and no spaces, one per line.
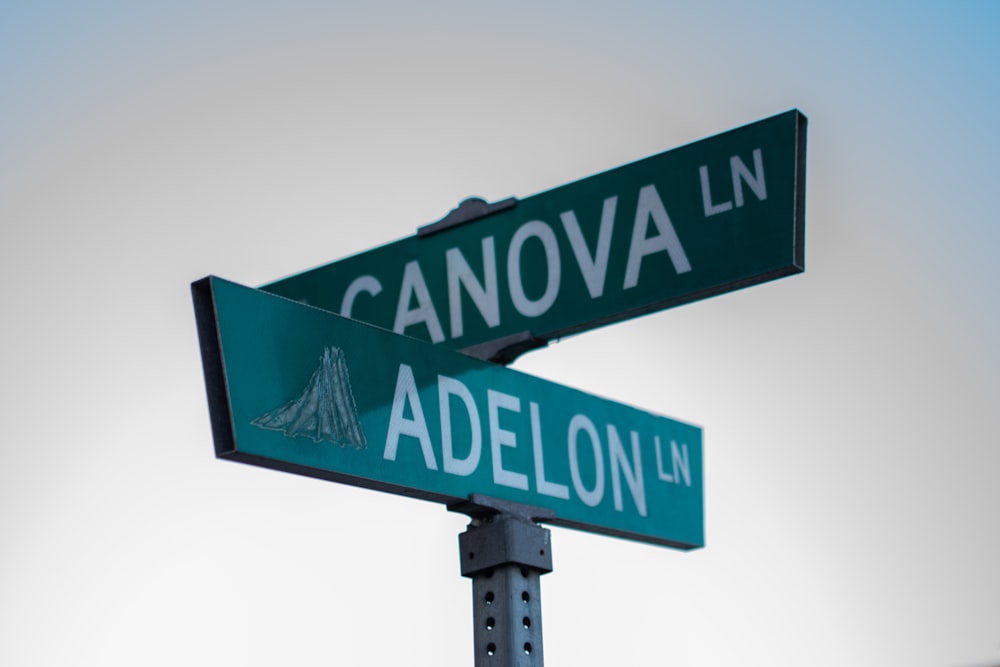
{"x":325,"y":411}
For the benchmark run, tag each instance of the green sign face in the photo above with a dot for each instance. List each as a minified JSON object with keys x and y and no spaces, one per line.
{"x":303,"y":390}
{"x":714,"y":216}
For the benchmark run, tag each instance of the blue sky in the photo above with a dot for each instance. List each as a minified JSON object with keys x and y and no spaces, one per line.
{"x":849,"y":413}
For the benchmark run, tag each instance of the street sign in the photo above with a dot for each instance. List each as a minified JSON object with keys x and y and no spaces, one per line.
{"x":302,"y":390}
{"x":710,"y":217}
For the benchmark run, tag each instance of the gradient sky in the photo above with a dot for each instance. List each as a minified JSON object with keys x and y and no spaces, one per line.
{"x":850,"y":413}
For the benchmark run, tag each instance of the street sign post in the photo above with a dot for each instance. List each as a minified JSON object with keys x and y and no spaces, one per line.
{"x":710,"y":217}
{"x":299,"y":389}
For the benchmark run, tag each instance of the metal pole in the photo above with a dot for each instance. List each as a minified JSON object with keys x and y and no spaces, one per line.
{"x":505,"y":553}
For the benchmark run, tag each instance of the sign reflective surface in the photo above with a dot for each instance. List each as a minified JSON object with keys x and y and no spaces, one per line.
{"x":710,"y":217}
{"x":303,"y":390}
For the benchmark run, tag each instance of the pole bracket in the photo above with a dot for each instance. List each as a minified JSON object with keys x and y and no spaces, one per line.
{"x":503,"y":533}
{"x":506,"y":349}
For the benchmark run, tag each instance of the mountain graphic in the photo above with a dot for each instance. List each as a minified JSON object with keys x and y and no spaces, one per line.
{"x":325,"y":411}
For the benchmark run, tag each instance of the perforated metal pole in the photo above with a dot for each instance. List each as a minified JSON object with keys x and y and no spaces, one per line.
{"x":505,"y":553}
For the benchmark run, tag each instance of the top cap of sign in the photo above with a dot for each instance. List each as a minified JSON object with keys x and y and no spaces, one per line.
{"x":470,"y":209}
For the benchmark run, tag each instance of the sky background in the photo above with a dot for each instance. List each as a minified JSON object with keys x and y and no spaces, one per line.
{"x":852,"y":436}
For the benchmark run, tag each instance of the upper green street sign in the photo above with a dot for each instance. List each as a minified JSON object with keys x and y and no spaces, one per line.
{"x":710,"y":217}
{"x":303,"y":390}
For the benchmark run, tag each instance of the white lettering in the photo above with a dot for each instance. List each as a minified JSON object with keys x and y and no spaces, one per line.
{"x":755,"y":180}
{"x":633,"y":475}
{"x":706,"y":196}
{"x":360,"y":284}
{"x":594,"y":269}
{"x":448,"y":387}
{"x":541,"y":231}
{"x":650,"y":206}
{"x":414,"y":285}
{"x":590,"y":497}
{"x":486,"y":298}
{"x":406,"y":393}
{"x":503,"y":438}
{"x":680,"y":463}
{"x":660,"y":472}
{"x":544,"y":486}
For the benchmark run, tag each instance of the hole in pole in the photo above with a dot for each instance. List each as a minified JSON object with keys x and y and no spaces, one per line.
{"x":491,"y":648}
{"x":525,"y":621}
{"x":492,"y":623}
{"x":490,"y":597}
{"x":525,"y":598}
{"x":527,"y":648}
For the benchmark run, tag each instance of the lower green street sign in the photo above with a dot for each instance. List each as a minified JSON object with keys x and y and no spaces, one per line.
{"x":303,"y":390}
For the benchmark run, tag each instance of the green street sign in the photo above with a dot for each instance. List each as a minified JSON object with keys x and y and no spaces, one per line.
{"x":710,"y":217}
{"x":307,"y":391}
